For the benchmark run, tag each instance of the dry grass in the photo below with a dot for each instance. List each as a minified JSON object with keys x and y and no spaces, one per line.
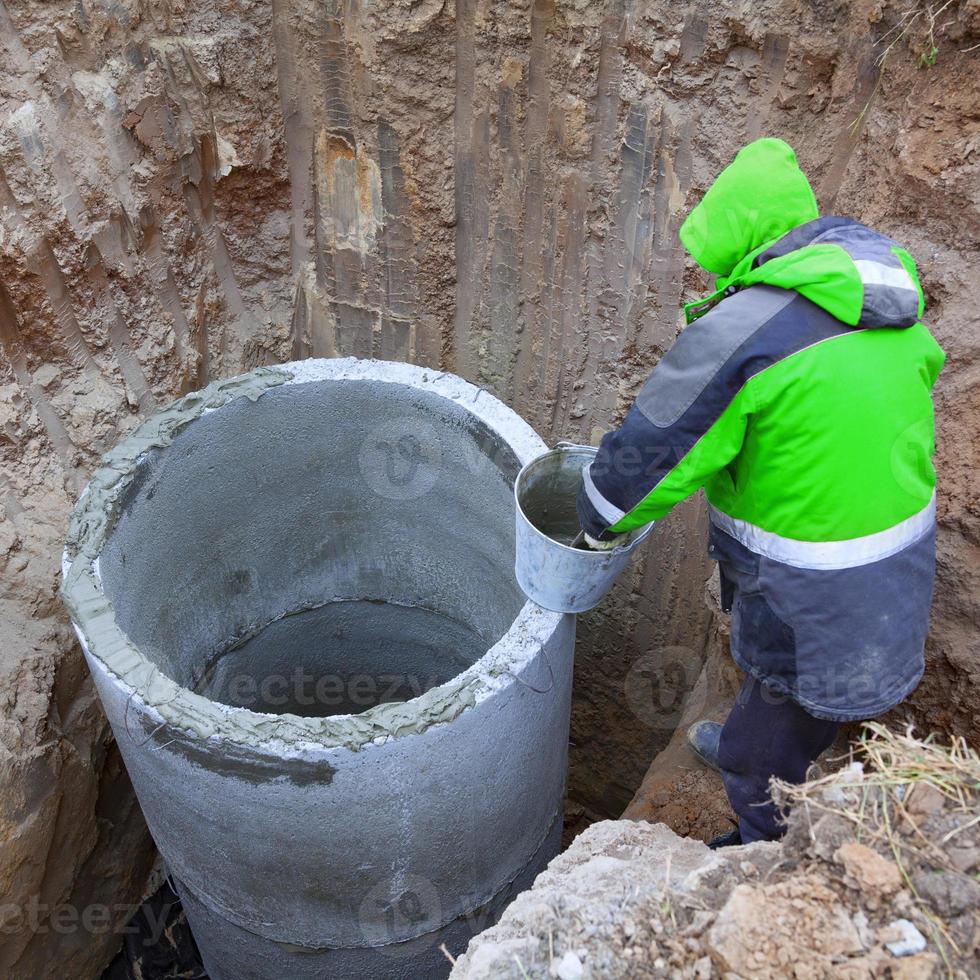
{"x":904,"y":760}
{"x":876,"y":793}
{"x":918,"y":16}
{"x":885,"y":766}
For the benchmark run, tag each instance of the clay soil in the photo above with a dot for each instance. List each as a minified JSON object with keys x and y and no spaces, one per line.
{"x":191,"y":190}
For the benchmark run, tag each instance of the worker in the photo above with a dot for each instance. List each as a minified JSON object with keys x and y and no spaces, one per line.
{"x":799,"y":397}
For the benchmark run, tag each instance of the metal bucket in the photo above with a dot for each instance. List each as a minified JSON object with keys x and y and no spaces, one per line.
{"x":549,"y":571}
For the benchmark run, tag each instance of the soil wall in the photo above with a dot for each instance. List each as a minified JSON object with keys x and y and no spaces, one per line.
{"x":190,"y":190}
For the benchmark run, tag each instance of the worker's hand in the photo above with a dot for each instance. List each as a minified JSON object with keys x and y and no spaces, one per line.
{"x":596,"y":545}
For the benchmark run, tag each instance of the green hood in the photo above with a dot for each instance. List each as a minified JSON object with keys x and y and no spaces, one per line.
{"x":758,"y":223}
{"x":757,"y":198}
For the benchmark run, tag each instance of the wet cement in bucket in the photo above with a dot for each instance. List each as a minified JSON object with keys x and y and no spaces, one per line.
{"x":548,"y":500}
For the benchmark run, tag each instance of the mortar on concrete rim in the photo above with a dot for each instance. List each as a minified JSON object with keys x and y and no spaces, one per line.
{"x":346,"y":727}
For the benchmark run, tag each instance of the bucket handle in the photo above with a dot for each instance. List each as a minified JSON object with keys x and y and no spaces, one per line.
{"x":568,"y":444}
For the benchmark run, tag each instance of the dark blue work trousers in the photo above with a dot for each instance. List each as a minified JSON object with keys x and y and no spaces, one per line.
{"x":767,"y":734}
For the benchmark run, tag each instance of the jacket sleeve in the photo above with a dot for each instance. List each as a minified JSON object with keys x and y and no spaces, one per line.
{"x":687,"y":423}
{"x":643,"y":470}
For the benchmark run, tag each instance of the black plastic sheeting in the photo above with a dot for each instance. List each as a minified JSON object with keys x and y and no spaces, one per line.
{"x":158,"y":944}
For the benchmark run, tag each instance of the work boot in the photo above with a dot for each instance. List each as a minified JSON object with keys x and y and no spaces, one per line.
{"x":703,"y":738}
{"x":730,"y":839}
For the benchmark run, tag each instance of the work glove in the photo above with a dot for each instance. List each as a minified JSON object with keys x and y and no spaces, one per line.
{"x":597,"y":545}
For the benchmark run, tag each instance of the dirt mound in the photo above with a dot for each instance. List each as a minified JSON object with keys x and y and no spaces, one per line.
{"x":876,"y":877}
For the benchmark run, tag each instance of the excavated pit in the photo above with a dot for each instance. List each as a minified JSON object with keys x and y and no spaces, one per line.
{"x":190,"y":191}
{"x":345,"y":725}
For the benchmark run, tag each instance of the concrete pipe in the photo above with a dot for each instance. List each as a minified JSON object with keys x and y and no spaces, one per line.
{"x":345,"y":725}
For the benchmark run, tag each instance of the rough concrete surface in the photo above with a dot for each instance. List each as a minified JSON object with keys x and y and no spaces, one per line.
{"x":295,"y":836}
{"x":845,"y":895}
{"x":190,"y":190}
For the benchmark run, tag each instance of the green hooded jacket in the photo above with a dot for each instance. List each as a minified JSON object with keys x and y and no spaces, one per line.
{"x":799,"y":395}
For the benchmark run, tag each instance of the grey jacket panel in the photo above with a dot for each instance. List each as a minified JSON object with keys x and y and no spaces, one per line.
{"x":702,"y":350}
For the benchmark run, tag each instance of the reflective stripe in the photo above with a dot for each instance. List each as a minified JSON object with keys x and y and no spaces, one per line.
{"x":829,"y":554}
{"x":879,"y":274}
{"x":607,"y":511}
